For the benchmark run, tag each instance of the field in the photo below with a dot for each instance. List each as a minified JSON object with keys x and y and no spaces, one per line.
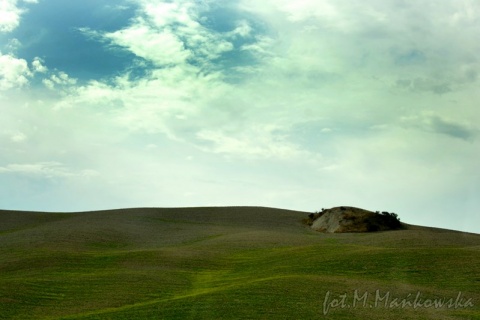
{"x":229,"y":263}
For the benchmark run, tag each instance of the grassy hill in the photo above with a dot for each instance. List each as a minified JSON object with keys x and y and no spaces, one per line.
{"x":228,"y":263}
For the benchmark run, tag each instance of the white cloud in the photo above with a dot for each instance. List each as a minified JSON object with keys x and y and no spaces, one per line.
{"x":49,"y":84}
{"x":50,"y":169}
{"x":164,"y":14}
{"x":322,"y":59}
{"x":59,"y":81}
{"x":63,"y":79}
{"x":18,"y":137}
{"x":261,"y":47}
{"x":14,"y":72}
{"x":262,"y":142}
{"x":169,"y":34}
{"x":243,"y":29}
{"x":10,"y":14}
{"x":160,"y":47}
{"x":368,"y":38}
{"x":38,"y":66}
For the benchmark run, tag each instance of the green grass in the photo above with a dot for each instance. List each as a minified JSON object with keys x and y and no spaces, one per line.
{"x":148,"y":265}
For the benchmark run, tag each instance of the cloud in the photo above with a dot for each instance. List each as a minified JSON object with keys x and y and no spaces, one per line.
{"x":316,"y":51}
{"x":243,"y":29}
{"x":410,"y":57}
{"x":160,"y":47}
{"x":437,"y":86}
{"x":18,"y":137}
{"x":59,"y":81}
{"x":170,"y":33}
{"x":37,"y":65}
{"x":440,"y":125}
{"x":14,"y":72}
{"x":255,"y":142}
{"x":47,"y":170}
{"x":453,"y":129}
{"x":358,"y":39}
{"x":10,"y":14}
{"x":183,"y":76}
{"x":260,"y":48}
{"x":13,"y":45}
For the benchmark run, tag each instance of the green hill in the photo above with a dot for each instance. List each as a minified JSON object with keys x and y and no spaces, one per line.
{"x":229,"y":263}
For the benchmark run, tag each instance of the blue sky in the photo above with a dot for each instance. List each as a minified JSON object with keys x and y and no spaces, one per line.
{"x":290,"y":104}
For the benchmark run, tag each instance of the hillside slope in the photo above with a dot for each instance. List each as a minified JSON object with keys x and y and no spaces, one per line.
{"x":224,"y":262}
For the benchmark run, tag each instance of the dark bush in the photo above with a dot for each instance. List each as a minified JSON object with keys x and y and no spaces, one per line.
{"x":383,"y":221}
{"x":372,"y":227}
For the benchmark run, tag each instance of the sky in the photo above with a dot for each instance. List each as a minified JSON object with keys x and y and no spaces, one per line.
{"x":298,"y":105}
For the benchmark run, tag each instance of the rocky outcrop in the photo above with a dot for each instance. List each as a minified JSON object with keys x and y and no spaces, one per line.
{"x":351,"y":219}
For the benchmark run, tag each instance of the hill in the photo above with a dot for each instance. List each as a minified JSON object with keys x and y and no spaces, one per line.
{"x":227,"y":263}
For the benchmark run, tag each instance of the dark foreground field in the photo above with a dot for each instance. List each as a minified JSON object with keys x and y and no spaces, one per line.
{"x":229,"y":263}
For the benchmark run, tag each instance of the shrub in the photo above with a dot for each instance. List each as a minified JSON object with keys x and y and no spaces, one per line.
{"x":383,"y":221}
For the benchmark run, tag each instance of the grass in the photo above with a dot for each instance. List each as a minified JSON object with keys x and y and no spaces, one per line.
{"x":224,"y":263}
